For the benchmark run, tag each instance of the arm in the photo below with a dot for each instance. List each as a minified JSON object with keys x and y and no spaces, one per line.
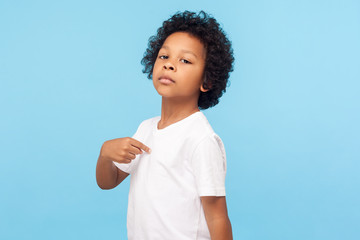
{"x":108,"y":176}
{"x":121,"y":150}
{"x":217,"y":218}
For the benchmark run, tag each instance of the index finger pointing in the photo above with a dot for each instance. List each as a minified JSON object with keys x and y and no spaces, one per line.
{"x":140,"y":145}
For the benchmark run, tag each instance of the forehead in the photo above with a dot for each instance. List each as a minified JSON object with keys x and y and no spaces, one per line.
{"x":184,"y":41}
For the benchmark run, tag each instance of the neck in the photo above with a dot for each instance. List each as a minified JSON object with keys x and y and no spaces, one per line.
{"x":173,"y":110}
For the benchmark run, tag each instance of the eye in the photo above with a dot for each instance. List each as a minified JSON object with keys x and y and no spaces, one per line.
{"x":185,"y":61}
{"x":163,"y":57}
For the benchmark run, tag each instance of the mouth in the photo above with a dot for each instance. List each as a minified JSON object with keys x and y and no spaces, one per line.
{"x":166,"y":80}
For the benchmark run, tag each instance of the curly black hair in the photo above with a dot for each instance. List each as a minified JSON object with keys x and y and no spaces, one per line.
{"x":219,"y":53}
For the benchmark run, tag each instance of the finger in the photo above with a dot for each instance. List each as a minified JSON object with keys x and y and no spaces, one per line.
{"x":135,"y":150}
{"x":127,"y":156}
{"x":140,"y":145}
{"x":123,"y":161}
{"x":130,"y":156}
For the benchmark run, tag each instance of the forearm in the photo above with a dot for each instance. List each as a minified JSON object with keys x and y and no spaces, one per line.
{"x":220,"y":229}
{"x":106,"y":173}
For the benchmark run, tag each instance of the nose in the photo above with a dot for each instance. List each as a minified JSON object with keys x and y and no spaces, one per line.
{"x":169,"y":66}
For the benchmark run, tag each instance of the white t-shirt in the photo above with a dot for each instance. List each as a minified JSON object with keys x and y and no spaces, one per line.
{"x":187,"y":161}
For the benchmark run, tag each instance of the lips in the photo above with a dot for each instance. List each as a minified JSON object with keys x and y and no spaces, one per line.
{"x":166,"y":79}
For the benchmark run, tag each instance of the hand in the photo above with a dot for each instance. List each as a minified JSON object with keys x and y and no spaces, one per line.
{"x":122,"y":150}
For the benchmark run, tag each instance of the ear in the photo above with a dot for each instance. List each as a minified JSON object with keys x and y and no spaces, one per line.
{"x":202,"y":89}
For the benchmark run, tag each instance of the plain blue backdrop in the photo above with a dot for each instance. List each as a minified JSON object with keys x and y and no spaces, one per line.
{"x":71,"y":79}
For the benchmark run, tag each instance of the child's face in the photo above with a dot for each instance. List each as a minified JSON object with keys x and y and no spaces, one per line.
{"x":179,"y":68}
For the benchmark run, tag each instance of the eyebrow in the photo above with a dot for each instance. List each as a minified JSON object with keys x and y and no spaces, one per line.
{"x":182,"y":50}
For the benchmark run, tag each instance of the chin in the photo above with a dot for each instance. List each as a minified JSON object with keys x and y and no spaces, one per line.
{"x":164,"y":94}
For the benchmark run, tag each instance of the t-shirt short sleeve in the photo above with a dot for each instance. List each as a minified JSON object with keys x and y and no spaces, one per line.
{"x":209,"y":166}
{"x":126,"y":167}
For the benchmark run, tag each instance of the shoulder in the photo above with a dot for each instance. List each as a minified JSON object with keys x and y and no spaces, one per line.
{"x":201,"y":128}
{"x":204,"y":136}
{"x":149,"y":122}
{"x":210,"y":143}
{"x":208,"y":158}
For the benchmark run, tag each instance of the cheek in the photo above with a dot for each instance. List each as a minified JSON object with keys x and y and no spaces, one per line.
{"x":156,"y":65}
{"x":154,"y":70}
{"x":196,"y":77}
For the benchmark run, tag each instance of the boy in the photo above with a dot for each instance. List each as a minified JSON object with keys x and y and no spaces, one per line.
{"x":177,"y":163}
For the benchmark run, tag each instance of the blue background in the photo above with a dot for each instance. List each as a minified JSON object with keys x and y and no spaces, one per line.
{"x":71,"y":78}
